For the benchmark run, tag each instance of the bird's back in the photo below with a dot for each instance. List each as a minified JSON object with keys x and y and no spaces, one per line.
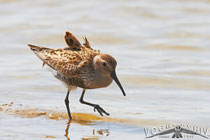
{"x":72,"y":64}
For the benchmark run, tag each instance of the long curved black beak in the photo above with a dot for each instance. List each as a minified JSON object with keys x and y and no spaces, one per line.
{"x":114,"y":76}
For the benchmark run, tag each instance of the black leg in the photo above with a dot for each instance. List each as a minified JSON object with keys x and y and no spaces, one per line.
{"x":67,"y":105}
{"x":96,"y":107}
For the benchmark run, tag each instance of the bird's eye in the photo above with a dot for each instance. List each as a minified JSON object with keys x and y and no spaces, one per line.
{"x":104,"y":64}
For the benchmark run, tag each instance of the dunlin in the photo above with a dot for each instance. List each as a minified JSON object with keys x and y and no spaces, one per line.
{"x":78,"y":65}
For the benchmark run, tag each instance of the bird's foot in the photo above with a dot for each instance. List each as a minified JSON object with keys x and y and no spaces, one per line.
{"x":100,"y":110}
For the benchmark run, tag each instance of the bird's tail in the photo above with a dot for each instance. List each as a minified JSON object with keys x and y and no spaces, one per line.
{"x":39,"y":51}
{"x":36,"y":48}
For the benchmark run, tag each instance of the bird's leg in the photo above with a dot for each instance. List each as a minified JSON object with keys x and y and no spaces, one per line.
{"x":96,"y":107}
{"x":67,"y":105}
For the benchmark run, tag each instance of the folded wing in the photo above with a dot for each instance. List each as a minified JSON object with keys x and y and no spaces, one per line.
{"x":65,"y":61}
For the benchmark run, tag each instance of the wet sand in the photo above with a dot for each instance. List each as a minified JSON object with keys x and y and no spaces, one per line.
{"x":95,"y":127}
{"x":100,"y":127}
{"x":80,"y":118}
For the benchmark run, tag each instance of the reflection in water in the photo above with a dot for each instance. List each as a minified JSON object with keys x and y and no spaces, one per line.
{"x":95,"y":135}
{"x":67,"y":130}
{"x":103,"y":132}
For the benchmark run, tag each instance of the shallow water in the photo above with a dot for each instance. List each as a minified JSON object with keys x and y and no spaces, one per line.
{"x":162,"y":49}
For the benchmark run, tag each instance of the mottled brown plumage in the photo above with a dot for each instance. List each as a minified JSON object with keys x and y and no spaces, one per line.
{"x":72,"y":41}
{"x":79,"y":66}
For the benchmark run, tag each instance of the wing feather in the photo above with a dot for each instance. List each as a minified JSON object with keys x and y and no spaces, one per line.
{"x":72,"y":41}
{"x":68,"y":63}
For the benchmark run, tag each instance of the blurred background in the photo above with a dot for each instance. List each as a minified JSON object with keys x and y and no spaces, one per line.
{"x":162,"y":50}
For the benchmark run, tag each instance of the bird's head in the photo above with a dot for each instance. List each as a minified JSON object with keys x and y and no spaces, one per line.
{"x":106,"y":64}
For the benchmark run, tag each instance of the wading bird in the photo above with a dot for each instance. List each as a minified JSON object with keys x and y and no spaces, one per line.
{"x":78,"y":65}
